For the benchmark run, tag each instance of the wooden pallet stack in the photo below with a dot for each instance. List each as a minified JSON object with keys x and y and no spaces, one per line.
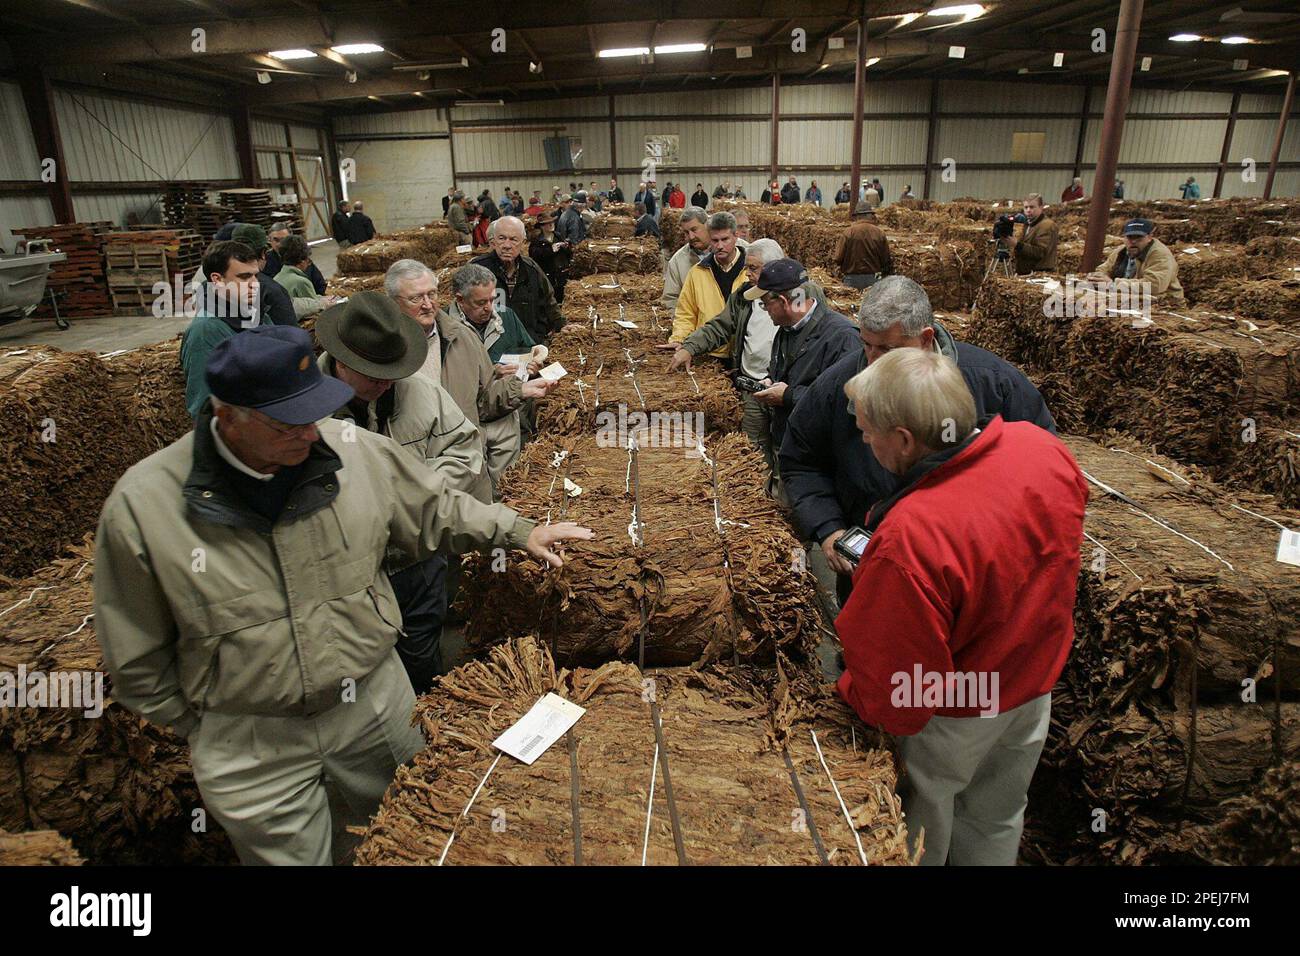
{"x":288,"y":214}
{"x":80,"y":282}
{"x":249,"y":205}
{"x":139,"y":259}
{"x":178,"y":196}
{"x":207,"y":218}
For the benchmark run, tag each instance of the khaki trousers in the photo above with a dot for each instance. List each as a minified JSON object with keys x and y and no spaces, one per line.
{"x":967,"y":783}
{"x":756,"y":423}
{"x":264,"y":778}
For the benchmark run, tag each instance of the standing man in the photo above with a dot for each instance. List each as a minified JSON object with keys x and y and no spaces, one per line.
{"x":771,"y":195}
{"x":615,"y":193}
{"x":1035,"y":250}
{"x":692,"y":224}
{"x":967,"y":585}
{"x":458,"y":218}
{"x":446,"y":201}
{"x":709,"y":283}
{"x":457,"y":359}
{"x":240,"y":598}
{"x":572,"y":228}
{"x":1143,"y":262}
{"x":360,"y":227}
{"x":374,"y":349}
{"x":549,"y":253}
{"x":1191,"y":189}
{"x":862,"y":251}
{"x":742,"y":224}
{"x":810,"y":338}
{"x":790,"y":192}
{"x":1119,"y":189}
{"x":843,"y":195}
{"x":880,"y":189}
{"x":832,"y":478}
{"x":813,"y":194}
{"x":274,"y":260}
{"x":277,"y":307}
{"x":700,"y":197}
{"x":340,"y":226}
{"x":228,"y":303}
{"x":1073,"y":191}
{"x":528,"y":292}
{"x":747,"y":328}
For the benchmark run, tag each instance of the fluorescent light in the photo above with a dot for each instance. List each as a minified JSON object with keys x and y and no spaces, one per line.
{"x":1235,"y":40}
{"x":1058,"y":59}
{"x":744,"y":52}
{"x":908,"y":18}
{"x":1146,"y":64}
{"x":1184,"y":37}
{"x":967,"y":11}
{"x":298,"y":54}
{"x":682,"y":48}
{"x":956,"y":52}
{"x":479,"y":103}
{"x":872,"y":61}
{"x":347,"y":49}
{"x":624,"y":51}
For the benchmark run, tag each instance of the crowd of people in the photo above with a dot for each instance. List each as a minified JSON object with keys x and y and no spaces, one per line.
{"x":328,"y":493}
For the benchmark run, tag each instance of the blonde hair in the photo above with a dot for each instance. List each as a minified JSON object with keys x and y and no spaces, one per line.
{"x":915,"y":389}
{"x":1036,"y":197}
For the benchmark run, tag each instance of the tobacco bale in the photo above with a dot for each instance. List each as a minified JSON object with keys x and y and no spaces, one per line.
{"x":640,"y":255}
{"x":599,"y":365}
{"x":37,"y":848}
{"x":1255,"y":829}
{"x":624,"y":210}
{"x":62,"y":446}
{"x":724,"y":739}
{"x":377,"y":255}
{"x":341,"y":285}
{"x":148,"y":388}
{"x":1280,"y":249}
{"x":431,"y":241}
{"x":1265,"y":457}
{"x":842,"y":298}
{"x":611,"y":227}
{"x":708,"y":594}
{"x":120,"y":788}
{"x":1267,"y":300}
{"x":453,"y":260}
{"x":670,"y":230}
{"x":609,"y":287}
{"x":1069,"y":254}
{"x":950,"y":272}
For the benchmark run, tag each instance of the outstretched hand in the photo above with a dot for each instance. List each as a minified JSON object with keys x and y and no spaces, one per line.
{"x":543,"y":538}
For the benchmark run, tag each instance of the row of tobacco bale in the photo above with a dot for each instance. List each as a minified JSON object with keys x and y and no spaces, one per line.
{"x":726,"y":747}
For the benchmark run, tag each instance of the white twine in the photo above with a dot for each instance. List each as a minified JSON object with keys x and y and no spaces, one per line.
{"x":1263,"y":517}
{"x":79,"y":570}
{"x":1155,"y":520}
{"x":649,"y":809}
{"x":582,"y":386}
{"x":1112,"y":554}
{"x":847,"y":819}
{"x":1155,"y":464}
{"x":26,"y":599}
{"x":464,"y":813}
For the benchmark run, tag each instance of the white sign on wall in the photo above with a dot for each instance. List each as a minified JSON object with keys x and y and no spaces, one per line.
{"x":662,"y":149}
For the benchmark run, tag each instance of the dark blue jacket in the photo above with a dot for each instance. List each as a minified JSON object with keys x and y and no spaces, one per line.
{"x":826,"y":339}
{"x":831,"y":476}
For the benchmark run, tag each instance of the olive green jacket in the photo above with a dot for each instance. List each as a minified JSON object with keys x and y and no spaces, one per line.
{"x":202,"y":604}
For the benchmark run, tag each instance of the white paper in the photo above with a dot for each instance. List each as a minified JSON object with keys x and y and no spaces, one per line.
{"x":609,"y":285}
{"x":572,"y":489}
{"x":465,"y":248}
{"x":557,"y":246}
{"x":553,"y":372}
{"x":624,"y":324}
{"x":1191,"y":250}
{"x":532,"y":734}
{"x":1288,"y":548}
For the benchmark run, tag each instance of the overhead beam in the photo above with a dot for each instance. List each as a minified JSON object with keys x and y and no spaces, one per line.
{"x":859,"y":106}
{"x":1287,"y":101}
{"x":776,"y":125}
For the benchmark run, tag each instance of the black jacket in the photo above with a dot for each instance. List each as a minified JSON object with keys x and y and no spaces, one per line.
{"x":571,"y":227}
{"x":533,"y":298}
{"x":360,"y":228}
{"x":700,"y":198}
{"x":799,"y":357}
{"x":790,"y":193}
{"x":340,"y":226}
{"x":615,"y":194}
{"x":277,"y":304}
{"x":830,"y":474}
{"x":646,"y":226}
{"x":446,"y":204}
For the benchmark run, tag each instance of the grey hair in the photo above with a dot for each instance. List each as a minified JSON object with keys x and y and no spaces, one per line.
{"x":693,"y":214}
{"x":404,"y":269}
{"x":240,"y":411}
{"x":722,"y":220}
{"x":764,"y":250}
{"x":466,"y":277}
{"x":492,"y":229}
{"x":896,"y":300}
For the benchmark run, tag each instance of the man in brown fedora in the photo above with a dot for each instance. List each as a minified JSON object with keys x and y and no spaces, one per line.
{"x":371,"y":346}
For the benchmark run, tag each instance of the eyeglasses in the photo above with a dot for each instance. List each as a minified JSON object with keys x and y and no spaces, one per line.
{"x":280,"y":427}
{"x":430,"y":297}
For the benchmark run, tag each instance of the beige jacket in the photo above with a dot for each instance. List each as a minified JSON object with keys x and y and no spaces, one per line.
{"x":1158,"y":267}
{"x":675,"y":276}
{"x":200,"y":604}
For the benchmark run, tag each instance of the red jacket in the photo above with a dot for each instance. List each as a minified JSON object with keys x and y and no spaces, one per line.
{"x":972,"y":572}
{"x":678,"y":199}
{"x":1071,"y":192}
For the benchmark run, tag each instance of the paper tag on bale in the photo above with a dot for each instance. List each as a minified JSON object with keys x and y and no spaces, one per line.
{"x":624,"y":324}
{"x":1288,"y":548}
{"x":553,"y":372}
{"x":465,"y":248}
{"x":532,"y":734}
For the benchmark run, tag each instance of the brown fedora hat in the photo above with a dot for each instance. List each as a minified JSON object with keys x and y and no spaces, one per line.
{"x":371,"y":335}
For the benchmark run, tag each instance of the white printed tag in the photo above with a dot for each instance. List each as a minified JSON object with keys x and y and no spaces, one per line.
{"x":1288,"y":548}
{"x":553,"y":372}
{"x":624,"y":324}
{"x":465,"y":248}
{"x":532,"y":734}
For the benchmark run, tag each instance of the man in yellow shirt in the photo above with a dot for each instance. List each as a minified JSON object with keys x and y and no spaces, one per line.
{"x":709,"y":283}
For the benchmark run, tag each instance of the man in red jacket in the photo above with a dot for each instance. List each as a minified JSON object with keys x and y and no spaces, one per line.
{"x":961,"y":615}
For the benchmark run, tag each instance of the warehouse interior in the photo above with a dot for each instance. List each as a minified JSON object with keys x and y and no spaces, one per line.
{"x":701,"y":629}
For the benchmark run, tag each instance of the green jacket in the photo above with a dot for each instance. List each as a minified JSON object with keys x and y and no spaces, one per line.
{"x":728,"y":326}
{"x":202,"y":604}
{"x":202,"y":336}
{"x":505,"y":333}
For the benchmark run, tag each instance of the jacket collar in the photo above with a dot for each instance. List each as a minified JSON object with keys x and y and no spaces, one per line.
{"x":209,"y":497}
{"x":944,"y":344}
{"x":988,"y":430}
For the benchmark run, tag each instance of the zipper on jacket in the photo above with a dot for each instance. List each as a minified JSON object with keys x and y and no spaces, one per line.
{"x":374,"y":599}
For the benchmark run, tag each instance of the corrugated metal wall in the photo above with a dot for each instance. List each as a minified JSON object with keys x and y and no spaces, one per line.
{"x":400,"y":180}
{"x":18,"y":161}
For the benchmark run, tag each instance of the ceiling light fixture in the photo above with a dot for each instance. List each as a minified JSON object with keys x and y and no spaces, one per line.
{"x":298,"y":54}
{"x":1184,"y":37}
{"x":872,"y":61}
{"x":1232,"y":41}
{"x":967,"y":11}
{"x":624,"y":51}
{"x":682,"y":48}
{"x":349,"y":49}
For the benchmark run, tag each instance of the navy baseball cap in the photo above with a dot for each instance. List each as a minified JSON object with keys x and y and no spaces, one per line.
{"x":1139,"y":227}
{"x":273,"y":368}
{"x":779,"y":275}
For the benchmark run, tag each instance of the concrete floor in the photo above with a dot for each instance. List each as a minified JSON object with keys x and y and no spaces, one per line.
{"x":111,"y":332}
